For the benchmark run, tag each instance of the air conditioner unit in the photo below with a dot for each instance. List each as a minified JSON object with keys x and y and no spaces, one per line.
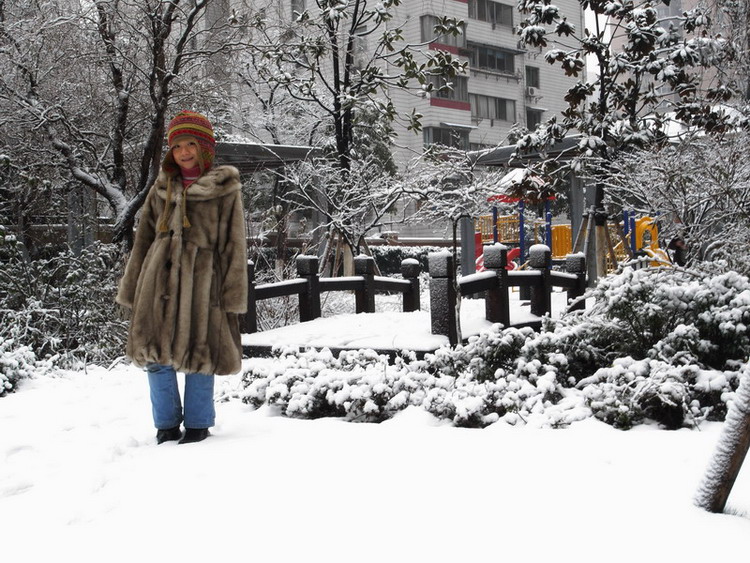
{"x":532,"y":92}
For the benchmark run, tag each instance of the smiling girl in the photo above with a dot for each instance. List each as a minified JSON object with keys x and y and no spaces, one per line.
{"x":186,"y":280}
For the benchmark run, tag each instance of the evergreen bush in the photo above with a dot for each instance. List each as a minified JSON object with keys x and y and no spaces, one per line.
{"x":389,"y":258}
{"x":62,"y":308}
{"x":16,"y":363}
{"x":658,"y":344}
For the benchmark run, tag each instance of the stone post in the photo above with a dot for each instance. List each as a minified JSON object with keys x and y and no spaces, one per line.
{"x":365,"y":298}
{"x":249,"y":321}
{"x":540,"y":259}
{"x":576,"y":264}
{"x":410,"y":271}
{"x":309,"y":301}
{"x":443,"y":295}
{"x":497,"y":304}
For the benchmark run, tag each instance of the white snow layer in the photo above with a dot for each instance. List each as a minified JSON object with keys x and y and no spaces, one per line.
{"x":82,"y":479}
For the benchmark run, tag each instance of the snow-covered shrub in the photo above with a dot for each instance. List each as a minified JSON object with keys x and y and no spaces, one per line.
{"x":484,"y":354}
{"x":646,"y":314}
{"x":629,"y":391}
{"x":363,"y":386}
{"x":679,"y":317}
{"x":389,"y":258}
{"x":63,"y":307}
{"x":662,"y":345}
{"x":16,"y":363}
{"x":652,"y":345}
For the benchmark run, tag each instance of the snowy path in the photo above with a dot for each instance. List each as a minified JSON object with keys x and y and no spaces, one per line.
{"x":81,"y":479}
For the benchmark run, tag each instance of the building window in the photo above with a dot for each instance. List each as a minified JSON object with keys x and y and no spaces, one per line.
{"x":532,"y":76}
{"x":533,"y":118}
{"x":493,"y":12}
{"x":298,"y":7}
{"x":459,"y":90}
{"x":487,"y":107}
{"x":491,"y":58}
{"x":429,"y":35}
{"x":456,"y":138}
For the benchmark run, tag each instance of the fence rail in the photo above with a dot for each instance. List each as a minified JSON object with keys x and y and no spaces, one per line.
{"x":309,"y":286}
{"x":495,"y":284}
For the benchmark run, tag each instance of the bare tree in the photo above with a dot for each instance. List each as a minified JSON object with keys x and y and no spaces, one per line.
{"x":734,"y":16}
{"x":267,"y":113}
{"x":340,"y":60}
{"x":699,"y":190}
{"x":349,"y":213}
{"x":92,"y":84}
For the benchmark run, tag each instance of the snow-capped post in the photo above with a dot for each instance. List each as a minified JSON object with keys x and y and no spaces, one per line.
{"x":410,"y":271}
{"x":540,"y":258}
{"x":576,"y":264}
{"x":309,"y":301}
{"x":731,"y":450}
{"x":249,"y":321}
{"x":365,"y":297}
{"x":443,"y":295}
{"x":497,"y":305}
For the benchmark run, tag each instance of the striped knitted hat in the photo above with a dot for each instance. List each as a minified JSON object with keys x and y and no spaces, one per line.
{"x":196,"y":125}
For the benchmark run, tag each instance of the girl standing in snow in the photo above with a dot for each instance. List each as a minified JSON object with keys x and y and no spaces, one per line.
{"x":186,"y":280}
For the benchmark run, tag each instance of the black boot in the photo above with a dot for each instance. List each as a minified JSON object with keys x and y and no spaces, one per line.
{"x":168,"y":434}
{"x":194,"y":435}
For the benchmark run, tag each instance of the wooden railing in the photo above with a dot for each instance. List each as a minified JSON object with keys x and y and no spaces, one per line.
{"x":309,"y":286}
{"x":496,"y":282}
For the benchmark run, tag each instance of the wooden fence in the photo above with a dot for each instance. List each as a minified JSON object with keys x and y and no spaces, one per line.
{"x":309,"y":286}
{"x":496,"y":282}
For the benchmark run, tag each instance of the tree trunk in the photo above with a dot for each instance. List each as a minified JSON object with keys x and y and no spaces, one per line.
{"x":730,"y":451}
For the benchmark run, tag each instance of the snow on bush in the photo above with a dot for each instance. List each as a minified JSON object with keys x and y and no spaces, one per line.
{"x":658,"y":344}
{"x":16,"y":363}
{"x":62,"y":308}
{"x":363,"y":386}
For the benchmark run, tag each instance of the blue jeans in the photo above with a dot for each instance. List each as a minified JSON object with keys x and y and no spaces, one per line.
{"x":165,"y":398}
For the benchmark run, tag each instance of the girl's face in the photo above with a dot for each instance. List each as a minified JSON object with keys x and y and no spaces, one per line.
{"x":185,"y":151}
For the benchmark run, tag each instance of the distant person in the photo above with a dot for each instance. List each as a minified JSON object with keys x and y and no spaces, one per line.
{"x":186,"y":280}
{"x":679,"y":250}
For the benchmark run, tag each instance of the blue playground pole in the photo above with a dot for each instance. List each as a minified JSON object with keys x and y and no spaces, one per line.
{"x":625,"y":222}
{"x":633,"y":242}
{"x":494,"y":224}
{"x":521,"y":230}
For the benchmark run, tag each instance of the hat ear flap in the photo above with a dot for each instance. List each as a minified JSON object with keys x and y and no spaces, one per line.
{"x":169,"y":165}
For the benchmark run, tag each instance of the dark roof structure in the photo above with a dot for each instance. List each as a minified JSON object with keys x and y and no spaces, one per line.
{"x":500,"y":156}
{"x":253,"y":157}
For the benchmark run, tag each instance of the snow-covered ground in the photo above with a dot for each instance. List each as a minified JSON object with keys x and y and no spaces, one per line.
{"x":82,"y":479}
{"x":392,"y":329}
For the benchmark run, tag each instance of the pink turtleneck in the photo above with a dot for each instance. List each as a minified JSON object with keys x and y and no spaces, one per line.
{"x":189,"y":175}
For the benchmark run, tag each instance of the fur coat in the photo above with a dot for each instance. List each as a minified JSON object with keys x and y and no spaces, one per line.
{"x":186,"y":286}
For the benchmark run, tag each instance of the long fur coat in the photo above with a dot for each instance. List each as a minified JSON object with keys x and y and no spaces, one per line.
{"x":187,"y":285}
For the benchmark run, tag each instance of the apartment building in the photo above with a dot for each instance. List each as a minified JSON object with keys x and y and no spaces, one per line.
{"x":507,"y":83}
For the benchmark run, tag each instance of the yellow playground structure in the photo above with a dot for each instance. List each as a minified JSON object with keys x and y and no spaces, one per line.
{"x":634,"y":236}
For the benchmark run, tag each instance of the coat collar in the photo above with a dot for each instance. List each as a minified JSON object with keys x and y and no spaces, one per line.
{"x":217,"y":182}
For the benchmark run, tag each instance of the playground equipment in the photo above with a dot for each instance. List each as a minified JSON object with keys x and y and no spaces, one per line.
{"x":635,"y":236}
{"x":507,"y":229}
{"x":643,"y":235}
